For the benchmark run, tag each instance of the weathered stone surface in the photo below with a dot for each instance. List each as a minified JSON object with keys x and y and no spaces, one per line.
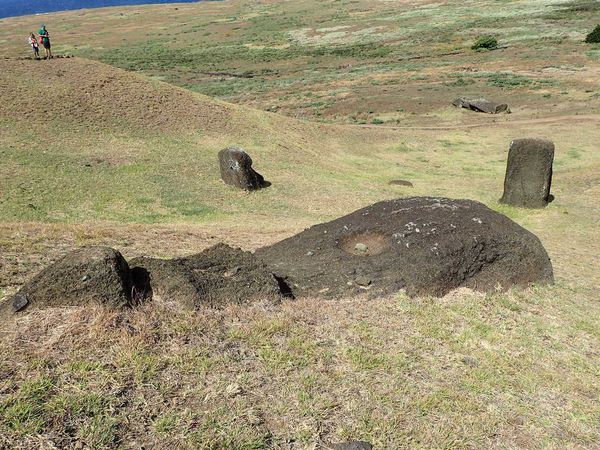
{"x":214,"y":277}
{"x":20,"y":301}
{"x":89,"y":274}
{"x":528,"y":173}
{"x":481,"y":105}
{"x":164,"y":280}
{"x":425,"y":245}
{"x":236,"y":170}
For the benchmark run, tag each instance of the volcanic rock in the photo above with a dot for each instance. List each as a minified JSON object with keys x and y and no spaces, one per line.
{"x":236,"y":170}
{"x":86,"y":275}
{"x":425,"y":245}
{"x":214,"y":277}
{"x":528,"y":173}
{"x":481,"y":105}
{"x":164,"y":280}
{"x":20,"y":301}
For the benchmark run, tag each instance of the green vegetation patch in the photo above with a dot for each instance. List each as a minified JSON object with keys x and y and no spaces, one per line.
{"x":157,"y":55}
{"x":485,"y":43}
{"x":500,"y":79}
{"x":297,"y":373}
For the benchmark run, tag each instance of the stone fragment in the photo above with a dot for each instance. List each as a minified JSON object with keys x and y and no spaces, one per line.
{"x":86,"y":275}
{"x":400,"y":183}
{"x":20,"y":301}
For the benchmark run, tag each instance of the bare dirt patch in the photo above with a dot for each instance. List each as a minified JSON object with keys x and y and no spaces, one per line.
{"x":364,"y":244}
{"x":77,"y":91}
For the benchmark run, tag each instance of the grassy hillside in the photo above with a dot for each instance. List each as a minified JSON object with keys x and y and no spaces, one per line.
{"x":93,"y":154}
{"x":92,"y":142}
{"x":348,"y":61}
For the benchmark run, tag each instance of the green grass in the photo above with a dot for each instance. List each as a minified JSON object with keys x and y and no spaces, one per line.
{"x":38,"y":404}
{"x":503,"y":80}
{"x":63,"y":183}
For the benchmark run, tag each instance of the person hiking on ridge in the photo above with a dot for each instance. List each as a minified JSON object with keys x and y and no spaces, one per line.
{"x":34,"y":45}
{"x":45,"y":41}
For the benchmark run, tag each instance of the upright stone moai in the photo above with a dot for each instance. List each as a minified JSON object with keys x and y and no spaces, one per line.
{"x":528,"y":173}
{"x":236,"y":170}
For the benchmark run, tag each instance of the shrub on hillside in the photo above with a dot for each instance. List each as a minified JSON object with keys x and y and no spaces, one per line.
{"x":485,"y":43}
{"x":594,"y":36}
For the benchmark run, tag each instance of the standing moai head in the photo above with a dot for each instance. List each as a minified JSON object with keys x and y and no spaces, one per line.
{"x":236,"y":170}
{"x":528,"y":173}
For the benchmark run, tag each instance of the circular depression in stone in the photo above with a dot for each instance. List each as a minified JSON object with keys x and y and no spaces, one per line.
{"x":364,"y":244}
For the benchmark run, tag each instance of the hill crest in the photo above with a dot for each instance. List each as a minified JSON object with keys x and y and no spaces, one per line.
{"x":79,"y":91}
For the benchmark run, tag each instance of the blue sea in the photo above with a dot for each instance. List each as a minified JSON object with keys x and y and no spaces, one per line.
{"x":10,"y":8}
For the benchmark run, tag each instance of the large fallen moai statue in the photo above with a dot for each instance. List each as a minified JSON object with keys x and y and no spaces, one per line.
{"x":236,"y":170}
{"x":423,"y":245}
{"x":528,"y":173}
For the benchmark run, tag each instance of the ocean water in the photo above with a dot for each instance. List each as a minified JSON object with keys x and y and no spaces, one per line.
{"x":10,"y":8}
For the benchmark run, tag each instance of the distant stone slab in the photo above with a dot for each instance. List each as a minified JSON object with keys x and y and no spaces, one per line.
{"x":425,"y":245}
{"x":481,"y":105}
{"x":400,"y":183}
{"x":236,"y":170}
{"x":528,"y":173}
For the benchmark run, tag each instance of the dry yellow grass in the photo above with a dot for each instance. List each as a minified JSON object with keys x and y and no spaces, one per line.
{"x":468,"y":371}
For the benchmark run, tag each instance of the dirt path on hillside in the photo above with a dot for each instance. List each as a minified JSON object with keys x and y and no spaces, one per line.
{"x":562,"y":118}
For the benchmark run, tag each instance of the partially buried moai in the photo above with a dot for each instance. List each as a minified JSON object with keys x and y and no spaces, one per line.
{"x":528,"y":173}
{"x":236,"y":170}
